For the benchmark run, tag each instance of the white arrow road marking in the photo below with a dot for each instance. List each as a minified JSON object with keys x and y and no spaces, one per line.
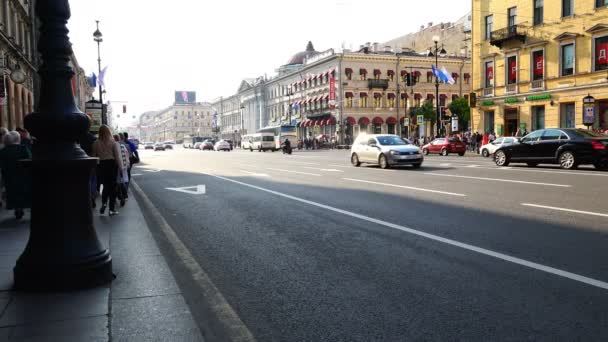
{"x":255,"y":174}
{"x":192,"y":190}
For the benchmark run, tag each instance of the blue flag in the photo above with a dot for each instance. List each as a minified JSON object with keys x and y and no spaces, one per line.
{"x":440,"y":75}
{"x":92,"y":80}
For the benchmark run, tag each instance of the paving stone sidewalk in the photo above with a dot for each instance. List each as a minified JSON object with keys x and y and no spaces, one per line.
{"x":143,"y":303}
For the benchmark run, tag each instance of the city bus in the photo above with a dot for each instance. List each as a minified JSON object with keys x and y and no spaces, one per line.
{"x":190,"y":141}
{"x":281,"y":133}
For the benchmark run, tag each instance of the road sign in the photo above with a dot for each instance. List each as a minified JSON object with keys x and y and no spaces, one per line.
{"x":420,"y":119}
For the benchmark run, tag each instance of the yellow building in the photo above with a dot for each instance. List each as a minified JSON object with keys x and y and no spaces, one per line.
{"x":534,"y":61}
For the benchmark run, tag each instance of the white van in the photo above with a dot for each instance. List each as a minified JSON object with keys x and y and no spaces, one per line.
{"x":259,"y":141}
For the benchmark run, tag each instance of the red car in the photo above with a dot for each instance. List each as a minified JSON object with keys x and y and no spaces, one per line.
{"x":445,"y":146}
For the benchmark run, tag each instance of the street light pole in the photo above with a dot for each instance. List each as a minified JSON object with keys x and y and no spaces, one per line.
{"x":97,"y":36}
{"x":63,"y":251}
{"x":443,"y":53}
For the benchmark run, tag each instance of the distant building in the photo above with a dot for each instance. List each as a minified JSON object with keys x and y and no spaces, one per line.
{"x":176,"y":122}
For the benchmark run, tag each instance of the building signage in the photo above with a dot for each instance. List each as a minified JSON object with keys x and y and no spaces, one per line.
{"x":512,"y":100}
{"x":332,"y":92}
{"x":487,"y":103}
{"x":538,"y":97}
{"x":420,"y":119}
{"x":588,"y":110}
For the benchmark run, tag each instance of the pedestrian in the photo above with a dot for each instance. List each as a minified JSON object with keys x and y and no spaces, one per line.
{"x":478,"y":141}
{"x":491,"y":137}
{"x":16,"y":179}
{"x":122,"y":181}
{"x":134,"y":156}
{"x":110,"y":163}
{"x":86,"y":143}
{"x":25,"y":137}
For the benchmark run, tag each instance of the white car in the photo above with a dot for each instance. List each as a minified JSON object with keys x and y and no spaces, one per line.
{"x":489,"y":149}
{"x":222,"y":145}
{"x":385,"y":150}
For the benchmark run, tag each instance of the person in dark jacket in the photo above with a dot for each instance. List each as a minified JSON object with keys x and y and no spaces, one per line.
{"x":16,"y":180}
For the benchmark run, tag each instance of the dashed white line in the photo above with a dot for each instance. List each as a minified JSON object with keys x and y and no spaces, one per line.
{"x":296,"y":172}
{"x":405,"y":187}
{"x":564,"y":209}
{"x":498,"y":180}
{"x":326,"y":170}
{"x":472,"y":248}
{"x":255,"y":174}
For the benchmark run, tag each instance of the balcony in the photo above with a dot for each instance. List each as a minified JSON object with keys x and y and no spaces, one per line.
{"x":511,"y":88}
{"x":515,"y":32}
{"x":488,"y":92}
{"x":371,"y":84}
{"x":537,"y":85}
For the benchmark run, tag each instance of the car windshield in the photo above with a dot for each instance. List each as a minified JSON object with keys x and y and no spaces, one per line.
{"x":391,"y":141}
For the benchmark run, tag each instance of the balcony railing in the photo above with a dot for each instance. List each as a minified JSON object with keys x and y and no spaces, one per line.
{"x":538,"y":85}
{"x":488,"y":92}
{"x":514,"y":32}
{"x":377,"y":84}
{"x":511,"y":88}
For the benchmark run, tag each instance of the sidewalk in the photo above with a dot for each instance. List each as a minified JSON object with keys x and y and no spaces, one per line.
{"x":143,"y":303}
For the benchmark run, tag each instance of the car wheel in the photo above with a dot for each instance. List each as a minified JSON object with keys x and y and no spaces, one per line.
{"x":532,"y":164}
{"x":425,"y":151}
{"x":383,"y":162}
{"x":501,"y":158}
{"x":485,"y":153}
{"x":416,"y":166}
{"x":251,"y":149}
{"x":260,"y":149}
{"x":354,"y":159}
{"x":567,"y":160}
{"x":445,"y":152}
{"x":461,"y":154}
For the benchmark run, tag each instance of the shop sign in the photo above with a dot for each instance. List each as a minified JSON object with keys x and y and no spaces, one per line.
{"x":406,"y":121}
{"x":487,"y":103}
{"x":538,"y":97}
{"x":588,"y":110}
{"x":420,"y":119}
{"x":512,"y":100}
{"x":454,"y":123}
{"x":332,"y":92}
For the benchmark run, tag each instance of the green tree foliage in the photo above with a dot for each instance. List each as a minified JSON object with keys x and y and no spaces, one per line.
{"x":460,"y":107}
{"x":427,"y":111}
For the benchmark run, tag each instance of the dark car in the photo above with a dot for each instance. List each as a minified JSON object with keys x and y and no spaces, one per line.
{"x":149,"y":146}
{"x":568,"y":147}
{"x":207,"y":145}
{"x":445,"y":146}
{"x":230,"y":142}
{"x":159,"y":147}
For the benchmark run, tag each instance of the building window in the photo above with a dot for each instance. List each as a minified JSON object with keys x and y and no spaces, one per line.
{"x":429,"y":76}
{"x":390,"y":101}
{"x":363,"y":74}
{"x":601,"y":51}
{"x":601,"y":3}
{"x":489,"y":74}
{"x":567,"y":59}
{"x":567,"y":8}
{"x":489,"y":26}
{"x":511,"y":70}
{"x":567,"y":116}
{"x":512,"y":16}
{"x":442,"y":100}
{"x":538,"y":117}
{"x":538,"y":12}
{"x":377,"y":100}
{"x":349,"y":74}
{"x":538,"y":62}
{"x":363,"y":100}
{"x":488,"y":121}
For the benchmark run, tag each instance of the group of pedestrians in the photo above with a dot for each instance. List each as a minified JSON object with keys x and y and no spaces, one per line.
{"x":15,"y":180}
{"x":117,"y":155}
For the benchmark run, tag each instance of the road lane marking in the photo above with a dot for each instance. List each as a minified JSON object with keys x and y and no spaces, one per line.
{"x":229,"y":322}
{"x":498,"y":180}
{"x":479,"y":250}
{"x":192,"y":190}
{"x":306,"y":163}
{"x":406,"y":187}
{"x":524,"y":169}
{"x":255,"y":174}
{"x":445,"y":164}
{"x":473,"y":166}
{"x":298,"y":172}
{"x":326,"y":170}
{"x":564,"y":209}
{"x":136,"y":175}
{"x":342,"y":166}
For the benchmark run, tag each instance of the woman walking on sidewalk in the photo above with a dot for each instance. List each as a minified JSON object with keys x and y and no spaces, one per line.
{"x":110,"y":166}
{"x":123,"y":177}
{"x":15,"y":178}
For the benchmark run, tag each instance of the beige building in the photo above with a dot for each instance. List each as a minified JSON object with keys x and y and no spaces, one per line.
{"x":176,"y":122}
{"x":17,"y":55}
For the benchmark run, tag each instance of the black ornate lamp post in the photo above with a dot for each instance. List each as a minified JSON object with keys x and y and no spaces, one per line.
{"x":63,"y":251}
{"x":436,"y":52}
{"x":98,"y":37}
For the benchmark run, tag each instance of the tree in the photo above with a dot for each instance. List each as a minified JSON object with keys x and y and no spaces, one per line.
{"x":460,"y":107}
{"x":427,"y":111}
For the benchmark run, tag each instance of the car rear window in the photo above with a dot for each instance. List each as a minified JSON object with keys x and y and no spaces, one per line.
{"x":453,"y":140}
{"x":267,"y":138}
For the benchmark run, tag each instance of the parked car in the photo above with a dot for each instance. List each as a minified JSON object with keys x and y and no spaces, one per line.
{"x":489,"y":149}
{"x":568,"y":147}
{"x":222,"y":145}
{"x":168,"y":145}
{"x":445,"y":146}
{"x":385,"y":150}
{"x":197,"y":145}
{"x":159,"y":147}
{"x":149,"y":146}
{"x":207,"y":145}
{"x":230,"y":142}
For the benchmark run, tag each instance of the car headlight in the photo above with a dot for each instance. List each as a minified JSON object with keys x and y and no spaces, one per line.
{"x":394,"y":153}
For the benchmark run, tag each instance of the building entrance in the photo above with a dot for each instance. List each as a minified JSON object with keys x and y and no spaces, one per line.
{"x":511,"y":122}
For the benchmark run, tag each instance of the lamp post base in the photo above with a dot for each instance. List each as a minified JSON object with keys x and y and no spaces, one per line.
{"x":63,"y":251}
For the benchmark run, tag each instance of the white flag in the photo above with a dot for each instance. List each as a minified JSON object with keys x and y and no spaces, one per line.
{"x":102,"y":77}
{"x":448,"y":75}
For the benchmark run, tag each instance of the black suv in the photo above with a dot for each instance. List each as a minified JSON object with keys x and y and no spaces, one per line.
{"x":568,"y":147}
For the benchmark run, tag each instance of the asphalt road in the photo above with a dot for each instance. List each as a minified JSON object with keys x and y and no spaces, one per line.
{"x":308,"y":248}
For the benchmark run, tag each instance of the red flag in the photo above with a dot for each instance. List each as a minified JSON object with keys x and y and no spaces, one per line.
{"x":539,"y":66}
{"x":600,"y":53}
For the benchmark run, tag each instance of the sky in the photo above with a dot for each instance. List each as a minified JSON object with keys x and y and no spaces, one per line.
{"x":153,"y":48}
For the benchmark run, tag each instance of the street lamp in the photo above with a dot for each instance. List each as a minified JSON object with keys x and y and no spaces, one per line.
{"x":97,"y":36}
{"x":63,"y":251}
{"x":289,"y":95}
{"x":437,"y":53}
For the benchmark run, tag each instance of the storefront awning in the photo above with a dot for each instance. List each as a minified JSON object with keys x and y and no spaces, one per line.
{"x":390,"y":72}
{"x":362,"y":94}
{"x":362,"y":71}
{"x":417,"y":96}
{"x":391,"y":120}
{"x":377,"y":72}
{"x":350,"y":120}
{"x":467,"y":75}
{"x":404,"y":72}
{"x":378,"y":120}
{"x":416,"y":73}
{"x":443,"y":96}
{"x":364,"y":121}
{"x":404,"y":96}
{"x":377,"y":95}
{"x":430,"y":96}
{"x":348,"y":94}
{"x":348,"y":71}
{"x":390,"y":95}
